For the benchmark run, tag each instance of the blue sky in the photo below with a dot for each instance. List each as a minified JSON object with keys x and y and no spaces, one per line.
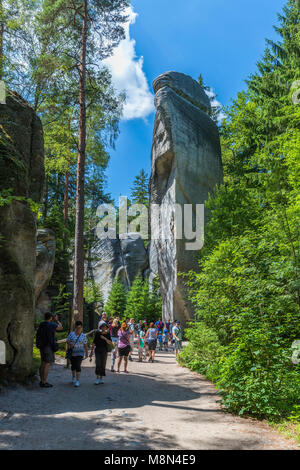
{"x":221,"y":39}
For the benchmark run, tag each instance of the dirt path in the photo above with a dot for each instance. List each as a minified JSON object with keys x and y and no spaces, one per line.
{"x":158,"y":406}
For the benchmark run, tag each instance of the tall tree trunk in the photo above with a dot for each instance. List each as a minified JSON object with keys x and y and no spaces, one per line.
{"x":45,"y":211}
{"x":79,"y":226}
{"x":66,"y":199}
{"x":1,"y":39}
{"x":66,"y":208}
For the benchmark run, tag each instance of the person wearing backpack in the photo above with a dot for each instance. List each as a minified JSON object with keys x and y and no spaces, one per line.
{"x":159,"y":325}
{"x":46,"y":343}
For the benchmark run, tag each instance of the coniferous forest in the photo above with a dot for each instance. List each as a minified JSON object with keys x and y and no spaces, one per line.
{"x":247,"y":290}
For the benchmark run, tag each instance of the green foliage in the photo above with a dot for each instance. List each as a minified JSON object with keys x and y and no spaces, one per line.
{"x":136,"y":302}
{"x":92,"y":292}
{"x":140,"y":190}
{"x":295,"y":415}
{"x":36,"y":360}
{"x":203,"y":351}
{"x":61,"y":305}
{"x":154,"y":311}
{"x":116,"y":302}
{"x":248,"y":287}
{"x":143,"y":303}
{"x":6,"y":198}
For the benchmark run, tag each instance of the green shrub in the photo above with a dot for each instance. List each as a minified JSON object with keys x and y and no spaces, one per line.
{"x":265,"y":385}
{"x":203,"y":351}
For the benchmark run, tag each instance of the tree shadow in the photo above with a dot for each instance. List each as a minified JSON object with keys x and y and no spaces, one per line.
{"x":98,"y":433}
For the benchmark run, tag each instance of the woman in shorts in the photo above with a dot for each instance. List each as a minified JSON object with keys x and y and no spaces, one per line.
{"x":123,"y":346}
{"x":151,"y":337}
{"x":77,"y":342}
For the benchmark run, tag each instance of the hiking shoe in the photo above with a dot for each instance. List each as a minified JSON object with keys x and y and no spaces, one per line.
{"x":76,"y":384}
{"x":97,"y":381}
{"x":46,"y":385}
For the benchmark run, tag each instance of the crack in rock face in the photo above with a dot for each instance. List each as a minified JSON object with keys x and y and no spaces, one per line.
{"x":186,"y":167}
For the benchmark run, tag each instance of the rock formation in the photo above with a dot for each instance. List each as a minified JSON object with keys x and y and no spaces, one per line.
{"x":185,"y":168}
{"x":21,"y":179}
{"x":122,"y":257}
{"x":45,"y":258}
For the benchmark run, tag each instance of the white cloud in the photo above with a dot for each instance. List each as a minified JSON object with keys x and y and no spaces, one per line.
{"x":128,"y":75}
{"x":215,"y":103}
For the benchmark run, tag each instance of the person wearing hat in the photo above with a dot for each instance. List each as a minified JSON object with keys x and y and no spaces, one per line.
{"x":177,"y":335}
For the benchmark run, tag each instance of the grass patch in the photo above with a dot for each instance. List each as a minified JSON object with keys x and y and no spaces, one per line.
{"x":36,"y":359}
{"x":288,"y":429}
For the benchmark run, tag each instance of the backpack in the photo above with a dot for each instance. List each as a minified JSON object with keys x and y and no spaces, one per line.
{"x":41,"y":336}
{"x":44,"y":337}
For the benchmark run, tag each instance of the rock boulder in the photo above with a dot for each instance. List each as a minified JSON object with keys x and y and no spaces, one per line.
{"x":123,"y":257}
{"x":21,"y":183}
{"x":186,"y":166}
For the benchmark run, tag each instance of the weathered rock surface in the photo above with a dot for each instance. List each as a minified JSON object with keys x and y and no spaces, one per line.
{"x":123,"y":258}
{"x":22,"y":175}
{"x":45,"y":259}
{"x":186,"y":166}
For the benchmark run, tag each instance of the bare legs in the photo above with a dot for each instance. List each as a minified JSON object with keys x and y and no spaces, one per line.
{"x":44,"y":371}
{"x":125,"y":363}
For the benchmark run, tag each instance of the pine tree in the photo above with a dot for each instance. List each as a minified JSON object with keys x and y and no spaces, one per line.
{"x":135,"y":305}
{"x":84,"y":32}
{"x":154,"y":310}
{"x":15,"y":45}
{"x":116,"y":302}
{"x":140,"y":189}
{"x":143,"y":303}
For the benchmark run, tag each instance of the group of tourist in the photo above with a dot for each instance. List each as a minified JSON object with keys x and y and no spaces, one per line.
{"x":112,"y":336}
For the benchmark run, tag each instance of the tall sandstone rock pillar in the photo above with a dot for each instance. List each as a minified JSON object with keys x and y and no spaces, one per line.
{"x":186,"y":166}
{"x":21,"y":176}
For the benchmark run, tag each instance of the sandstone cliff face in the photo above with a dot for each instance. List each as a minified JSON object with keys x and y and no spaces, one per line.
{"x":45,"y":259}
{"x":122,"y":258}
{"x":185,"y":168}
{"x":21,"y":173}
